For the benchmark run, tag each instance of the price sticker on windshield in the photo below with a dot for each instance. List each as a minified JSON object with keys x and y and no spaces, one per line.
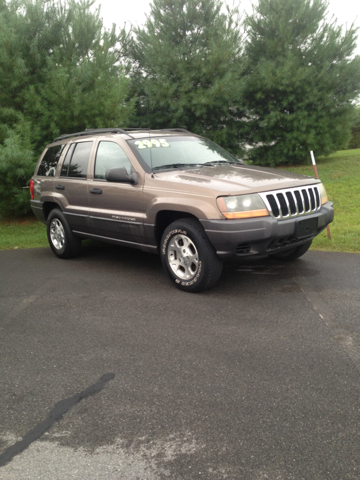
{"x":141,"y":144}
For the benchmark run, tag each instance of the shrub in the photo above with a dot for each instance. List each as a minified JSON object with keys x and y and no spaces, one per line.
{"x":17,"y":165}
{"x":355,"y":131}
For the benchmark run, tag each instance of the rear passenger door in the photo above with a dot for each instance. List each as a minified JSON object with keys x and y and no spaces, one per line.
{"x":116,"y":209}
{"x":72,"y":185}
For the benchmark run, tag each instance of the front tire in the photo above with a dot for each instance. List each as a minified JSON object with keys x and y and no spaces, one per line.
{"x":61,"y":239}
{"x":293,"y":253}
{"x":188,"y":256}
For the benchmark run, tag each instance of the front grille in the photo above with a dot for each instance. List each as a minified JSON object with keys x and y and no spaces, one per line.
{"x":292,"y":202}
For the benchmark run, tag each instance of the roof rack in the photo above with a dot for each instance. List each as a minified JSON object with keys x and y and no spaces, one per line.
{"x":130,"y":131}
{"x":156,"y":129}
{"x":91,"y":131}
{"x":94,"y":131}
{"x":177,"y":130}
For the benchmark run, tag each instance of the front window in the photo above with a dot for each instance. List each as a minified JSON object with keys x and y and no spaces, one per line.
{"x":162,"y":153}
{"x":110,"y":155}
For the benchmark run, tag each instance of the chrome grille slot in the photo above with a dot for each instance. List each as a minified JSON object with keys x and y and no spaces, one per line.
{"x":273,"y":205}
{"x":292,"y":202}
{"x":300,"y":202}
{"x":306,"y":200}
{"x":317,"y":196}
{"x":312,"y":199}
{"x":283,"y":205}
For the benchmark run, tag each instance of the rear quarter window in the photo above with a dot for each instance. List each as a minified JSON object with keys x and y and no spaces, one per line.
{"x":47,"y":167}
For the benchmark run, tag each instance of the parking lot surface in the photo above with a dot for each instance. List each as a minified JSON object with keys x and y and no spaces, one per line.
{"x":109,"y":372}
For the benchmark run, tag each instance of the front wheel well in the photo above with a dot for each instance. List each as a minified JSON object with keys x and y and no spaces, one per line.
{"x":164,"y":218}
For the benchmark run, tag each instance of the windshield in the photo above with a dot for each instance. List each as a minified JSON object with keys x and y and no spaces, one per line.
{"x":162,"y":153}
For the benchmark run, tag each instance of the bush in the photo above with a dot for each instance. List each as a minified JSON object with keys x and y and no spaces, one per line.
{"x":17,"y":165}
{"x":355,"y":131}
{"x":355,"y":139}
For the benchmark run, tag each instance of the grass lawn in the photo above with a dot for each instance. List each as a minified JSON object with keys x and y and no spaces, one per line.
{"x":339,"y":172}
{"x":22,"y":233}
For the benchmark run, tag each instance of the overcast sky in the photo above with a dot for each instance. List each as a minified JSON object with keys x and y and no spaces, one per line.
{"x":134,"y":11}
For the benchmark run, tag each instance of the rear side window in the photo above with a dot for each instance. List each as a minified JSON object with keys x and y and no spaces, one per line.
{"x":47,"y":167}
{"x":65,"y":165}
{"x":76,"y":161}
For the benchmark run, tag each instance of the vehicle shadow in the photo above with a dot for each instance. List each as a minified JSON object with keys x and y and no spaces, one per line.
{"x":244,"y":273}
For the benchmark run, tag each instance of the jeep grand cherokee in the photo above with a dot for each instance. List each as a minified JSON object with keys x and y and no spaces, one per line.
{"x":174,"y":193}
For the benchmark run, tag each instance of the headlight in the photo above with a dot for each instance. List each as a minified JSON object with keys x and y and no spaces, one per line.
{"x":242,"y":206}
{"x":323,"y":193}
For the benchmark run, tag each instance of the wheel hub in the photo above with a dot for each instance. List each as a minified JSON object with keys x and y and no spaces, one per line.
{"x":57,"y":234}
{"x":183,"y":257}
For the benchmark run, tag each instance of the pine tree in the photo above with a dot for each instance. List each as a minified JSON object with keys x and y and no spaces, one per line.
{"x":187,"y":68}
{"x":301,"y":81}
{"x":60,"y":72}
{"x":83,"y":75}
{"x":355,"y":130}
{"x":59,"y":67}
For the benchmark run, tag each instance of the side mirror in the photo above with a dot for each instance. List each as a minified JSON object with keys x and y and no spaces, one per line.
{"x":120,"y":175}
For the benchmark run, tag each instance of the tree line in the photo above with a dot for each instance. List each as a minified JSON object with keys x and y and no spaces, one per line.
{"x":270,"y":86}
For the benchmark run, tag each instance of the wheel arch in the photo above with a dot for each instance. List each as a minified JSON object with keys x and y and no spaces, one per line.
{"x":165,"y":217}
{"x":48,"y":206}
{"x":192,"y":269}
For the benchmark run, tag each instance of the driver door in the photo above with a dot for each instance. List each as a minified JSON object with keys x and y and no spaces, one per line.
{"x":116,"y":209}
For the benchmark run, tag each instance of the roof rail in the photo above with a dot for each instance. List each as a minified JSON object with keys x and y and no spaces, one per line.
{"x":94,"y":131}
{"x":91,"y":131}
{"x":156,"y":129}
{"x":177,"y":130}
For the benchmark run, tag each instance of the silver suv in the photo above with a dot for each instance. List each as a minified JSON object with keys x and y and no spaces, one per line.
{"x":174,"y":193}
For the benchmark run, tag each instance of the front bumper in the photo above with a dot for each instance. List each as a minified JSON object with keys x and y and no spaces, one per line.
{"x":263,"y":236}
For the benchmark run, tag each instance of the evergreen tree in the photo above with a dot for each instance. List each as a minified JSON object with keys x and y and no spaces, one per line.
{"x":60,"y":72}
{"x":355,"y":130}
{"x":187,"y":67}
{"x":83,"y":75}
{"x":301,"y":81}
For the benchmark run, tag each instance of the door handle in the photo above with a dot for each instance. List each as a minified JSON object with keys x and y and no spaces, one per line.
{"x":96,"y":191}
{"x":59,"y":187}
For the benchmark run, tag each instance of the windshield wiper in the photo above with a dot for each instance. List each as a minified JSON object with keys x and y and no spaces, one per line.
{"x":215,"y":162}
{"x":176,"y":165}
{"x":222,"y":162}
{"x":180,"y":165}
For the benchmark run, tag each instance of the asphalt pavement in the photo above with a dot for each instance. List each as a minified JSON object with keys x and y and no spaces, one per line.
{"x":109,"y":372}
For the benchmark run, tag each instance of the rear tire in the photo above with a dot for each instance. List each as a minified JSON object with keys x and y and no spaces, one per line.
{"x":293,"y":253}
{"x":188,"y":256}
{"x":61,"y":239}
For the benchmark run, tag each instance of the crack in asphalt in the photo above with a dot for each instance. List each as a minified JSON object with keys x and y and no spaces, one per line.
{"x":55,"y":414}
{"x":26,"y":302}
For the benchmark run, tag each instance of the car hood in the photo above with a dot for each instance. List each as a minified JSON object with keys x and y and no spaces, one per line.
{"x":235,"y":179}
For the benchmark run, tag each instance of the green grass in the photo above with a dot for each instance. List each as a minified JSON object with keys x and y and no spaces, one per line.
{"x":22,"y":233}
{"x":339,"y":172}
